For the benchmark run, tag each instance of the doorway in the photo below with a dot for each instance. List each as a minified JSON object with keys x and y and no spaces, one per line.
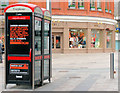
{"x":57,"y":42}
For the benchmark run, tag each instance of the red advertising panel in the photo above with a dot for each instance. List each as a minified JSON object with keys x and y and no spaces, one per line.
{"x":19,"y":68}
{"x":18,"y":17}
{"x":18,"y":34}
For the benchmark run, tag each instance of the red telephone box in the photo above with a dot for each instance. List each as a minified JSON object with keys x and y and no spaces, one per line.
{"x":28,"y":44}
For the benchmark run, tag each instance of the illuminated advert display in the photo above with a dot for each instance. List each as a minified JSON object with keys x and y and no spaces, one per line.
{"x":19,"y":34}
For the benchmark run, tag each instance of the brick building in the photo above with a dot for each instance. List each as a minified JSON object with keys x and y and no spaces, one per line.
{"x":81,"y":26}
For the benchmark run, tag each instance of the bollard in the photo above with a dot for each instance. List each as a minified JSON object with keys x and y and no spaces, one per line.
{"x":111,"y":65}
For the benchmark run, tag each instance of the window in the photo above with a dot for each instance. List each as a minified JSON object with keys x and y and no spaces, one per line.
{"x":23,"y":1}
{"x":92,"y":4}
{"x":96,"y":36}
{"x":109,"y":39}
{"x":81,"y":4}
{"x":110,"y":7}
{"x":4,"y":3}
{"x":71,"y":4}
{"x":99,"y":5}
{"x":77,"y":38}
{"x":106,"y":6}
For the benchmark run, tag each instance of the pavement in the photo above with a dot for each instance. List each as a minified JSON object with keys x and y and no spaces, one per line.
{"x":76,"y":72}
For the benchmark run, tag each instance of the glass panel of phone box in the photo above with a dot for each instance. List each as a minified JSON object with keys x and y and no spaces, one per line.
{"x":38,"y":22}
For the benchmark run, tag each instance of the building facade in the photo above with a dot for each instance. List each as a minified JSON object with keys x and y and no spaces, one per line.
{"x":81,"y":26}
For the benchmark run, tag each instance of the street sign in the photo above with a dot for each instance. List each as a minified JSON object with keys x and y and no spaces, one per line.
{"x":118,"y":30}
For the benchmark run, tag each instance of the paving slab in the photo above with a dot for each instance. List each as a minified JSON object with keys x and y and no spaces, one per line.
{"x":76,"y":72}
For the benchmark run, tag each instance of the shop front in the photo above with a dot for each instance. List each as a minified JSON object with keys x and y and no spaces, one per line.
{"x":82,"y":37}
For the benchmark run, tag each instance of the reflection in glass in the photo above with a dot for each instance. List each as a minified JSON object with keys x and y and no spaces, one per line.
{"x":37,"y":36}
{"x":46,"y":42}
